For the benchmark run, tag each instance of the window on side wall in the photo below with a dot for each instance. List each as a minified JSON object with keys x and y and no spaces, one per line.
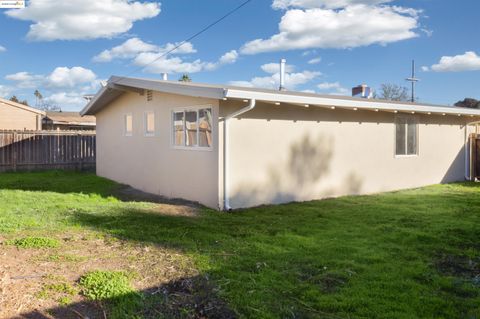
{"x":128,"y":125}
{"x":192,"y":128}
{"x":406,"y":136}
{"x":149,"y":123}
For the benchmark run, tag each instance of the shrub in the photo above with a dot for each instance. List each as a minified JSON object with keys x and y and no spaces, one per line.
{"x":34,"y":242}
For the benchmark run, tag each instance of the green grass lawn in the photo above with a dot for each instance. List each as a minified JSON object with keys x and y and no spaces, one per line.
{"x":408,"y":254}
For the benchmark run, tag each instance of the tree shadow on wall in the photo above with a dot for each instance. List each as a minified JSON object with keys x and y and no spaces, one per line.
{"x":308,"y":161}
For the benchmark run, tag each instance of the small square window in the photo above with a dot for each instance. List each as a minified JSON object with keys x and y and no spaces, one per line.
{"x":149,"y":123}
{"x":128,"y":125}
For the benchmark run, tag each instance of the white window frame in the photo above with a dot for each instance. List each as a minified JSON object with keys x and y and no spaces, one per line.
{"x":145,"y":126}
{"x":172,"y":135}
{"x":125,"y":132}
{"x":417,"y":126}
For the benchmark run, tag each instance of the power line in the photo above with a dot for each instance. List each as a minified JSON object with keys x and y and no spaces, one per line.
{"x":211,"y":25}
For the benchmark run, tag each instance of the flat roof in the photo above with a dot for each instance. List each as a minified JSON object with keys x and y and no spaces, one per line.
{"x":118,"y":85}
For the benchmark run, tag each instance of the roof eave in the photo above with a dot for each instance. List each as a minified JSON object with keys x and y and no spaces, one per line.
{"x":348,"y":103}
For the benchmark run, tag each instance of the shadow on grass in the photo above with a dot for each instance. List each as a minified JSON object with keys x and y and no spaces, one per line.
{"x":296,"y":260}
{"x":66,"y":182}
{"x":193,"y":297}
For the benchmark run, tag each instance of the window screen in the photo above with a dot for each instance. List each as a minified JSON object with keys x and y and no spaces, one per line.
{"x":150,"y":123}
{"x":191,"y":127}
{"x":178,"y":128}
{"x":406,"y":136}
{"x":128,"y":124}
{"x":205,"y":127}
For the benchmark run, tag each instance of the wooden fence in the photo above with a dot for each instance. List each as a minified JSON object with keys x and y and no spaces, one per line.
{"x":41,"y":150}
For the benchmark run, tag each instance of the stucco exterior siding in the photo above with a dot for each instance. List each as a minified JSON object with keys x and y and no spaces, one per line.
{"x":151,"y":163}
{"x":291,"y":153}
{"x":14,"y":118}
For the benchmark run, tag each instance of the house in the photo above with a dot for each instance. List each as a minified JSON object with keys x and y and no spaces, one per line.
{"x":16,"y":116}
{"x":232,"y":147}
{"x":68,"y":121}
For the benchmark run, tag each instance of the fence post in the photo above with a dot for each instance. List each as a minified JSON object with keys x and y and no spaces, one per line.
{"x":14,"y":151}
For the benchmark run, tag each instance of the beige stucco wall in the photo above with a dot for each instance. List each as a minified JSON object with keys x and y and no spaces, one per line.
{"x":151,"y":164}
{"x":14,"y":118}
{"x":290,"y":153}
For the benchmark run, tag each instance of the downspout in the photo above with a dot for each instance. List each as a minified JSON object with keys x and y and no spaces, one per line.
{"x":226,"y":162}
{"x":468,"y":165}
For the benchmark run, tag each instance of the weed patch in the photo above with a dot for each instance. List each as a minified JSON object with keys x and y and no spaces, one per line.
{"x":112,"y":288}
{"x":61,"y":290}
{"x":34,"y":242}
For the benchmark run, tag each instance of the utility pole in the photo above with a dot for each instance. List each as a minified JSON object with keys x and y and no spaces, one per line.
{"x":413,"y":80}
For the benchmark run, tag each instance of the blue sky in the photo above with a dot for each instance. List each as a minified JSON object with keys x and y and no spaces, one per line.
{"x":65,"y":48}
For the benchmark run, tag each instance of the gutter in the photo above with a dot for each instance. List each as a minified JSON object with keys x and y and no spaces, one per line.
{"x":226,"y":148}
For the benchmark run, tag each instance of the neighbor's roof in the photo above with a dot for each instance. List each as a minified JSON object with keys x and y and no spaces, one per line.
{"x":118,"y":85}
{"x":5,"y":102}
{"x":70,"y":118}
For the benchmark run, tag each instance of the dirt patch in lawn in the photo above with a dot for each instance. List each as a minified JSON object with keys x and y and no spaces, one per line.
{"x":458,"y":266}
{"x":41,"y":282}
{"x":164,"y":205}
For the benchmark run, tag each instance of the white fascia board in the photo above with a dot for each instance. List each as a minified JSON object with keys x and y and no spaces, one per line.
{"x":171,"y":87}
{"x":93,"y":101}
{"x":347,"y":103}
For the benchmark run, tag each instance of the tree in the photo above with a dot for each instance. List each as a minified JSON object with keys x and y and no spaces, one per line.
{"x":393,"y":92}
{"x":185,"y":78}
{"x":16,"y":100}
{"x":38,"y":97}
{"x":469,"y":102}
{"x":45,"y":106}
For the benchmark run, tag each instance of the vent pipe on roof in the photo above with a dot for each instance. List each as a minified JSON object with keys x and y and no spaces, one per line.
{"x":283,"y":63}
{"x":165,"y":76}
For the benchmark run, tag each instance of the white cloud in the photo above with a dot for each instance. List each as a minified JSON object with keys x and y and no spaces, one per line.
{"x":134,"y":46}
{"x":20,"y":76}
{"x":2,"y":49}
{"x":469,"y":61}
{"x":5,"y":91}
{"x":315,"y":60}
{"x":64,"y":86}
{"x":273,"y":68}
{"x":154,"y":60}
{"x":272,"y":81}
{"x":353,"y":26}
{"x":156,"y":63}
{"x":228,"y":58}
{"x":61,"y":77}
{"x":334,"y":88}
{"x":82,"y":19}
{"x":329,"y":4}
{"x":25,"y":80}
{"x":70,"y":77}
{"x":66,"y":99}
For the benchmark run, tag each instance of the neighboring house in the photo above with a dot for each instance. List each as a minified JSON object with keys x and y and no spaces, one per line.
{"x":16,"y":116}
{"x":231,"y":147}
{"x":68,"y":121}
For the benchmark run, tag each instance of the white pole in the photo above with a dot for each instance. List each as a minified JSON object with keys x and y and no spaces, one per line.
{"x":282,"y":74}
